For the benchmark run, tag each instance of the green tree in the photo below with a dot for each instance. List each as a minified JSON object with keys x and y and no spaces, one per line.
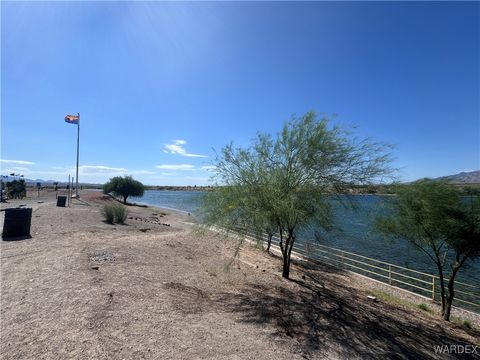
{"x":123,"y":187}
{"x":16,"y":189}
{"x":437,"y":220}
{"x":287,"y":181}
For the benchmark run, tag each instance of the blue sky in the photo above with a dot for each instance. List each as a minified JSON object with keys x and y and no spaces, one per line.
{"x":160,"y":85}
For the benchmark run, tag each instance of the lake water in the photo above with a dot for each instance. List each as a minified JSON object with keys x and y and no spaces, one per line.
{"x":355,"y":232}
{"x":185,"y":201}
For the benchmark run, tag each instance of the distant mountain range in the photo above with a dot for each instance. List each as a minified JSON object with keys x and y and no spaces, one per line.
{"x":472,"y":177}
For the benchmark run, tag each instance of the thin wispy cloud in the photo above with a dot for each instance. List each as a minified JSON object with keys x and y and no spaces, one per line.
{"x":178,"y":148}
{"x":141,"y":172}
{"x":20,"y":168}
{"x":108,"y":170}
{"x":100,"y":169}
{"x":208,"y":167}
{"x":16,"y":162}
{"x":175,"y":167}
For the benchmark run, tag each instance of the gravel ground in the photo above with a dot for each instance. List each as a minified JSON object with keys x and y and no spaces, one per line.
{"x":156,"y":289}
{"x":400,"y":296}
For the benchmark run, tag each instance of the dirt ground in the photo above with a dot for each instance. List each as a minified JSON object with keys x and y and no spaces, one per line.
{"x":156,"y":288}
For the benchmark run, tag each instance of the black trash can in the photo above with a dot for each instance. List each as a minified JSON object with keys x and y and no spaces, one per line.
{"x":61,"y":201}
{"x":17,"y":223}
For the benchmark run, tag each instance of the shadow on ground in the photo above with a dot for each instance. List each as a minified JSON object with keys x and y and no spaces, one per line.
{"x":326,"y":317}
{"x":16,"y":238}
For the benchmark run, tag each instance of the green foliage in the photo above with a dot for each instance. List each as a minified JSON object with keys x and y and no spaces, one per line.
{"x":423,"y":307}
{"x":108,"y":213}
{"x":16,"y":189}
{"x":437,"y":220}
{"x":421,"y":212}
{"x":464,"y":323}
{"x":123,"y":187}
{"x":114,"y":213}
{"x":392,"y":299}
{"x":467,"y":324}
{"x":282,"y":182}
{"x":120,"y":213}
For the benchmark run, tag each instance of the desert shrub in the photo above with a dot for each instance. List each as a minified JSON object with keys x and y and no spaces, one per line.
{"x":120,"y":213}
{"x":114,"y":213}
{"x":467,"y":324}
{"x":108,"y":213}
{"x":423,"y":307}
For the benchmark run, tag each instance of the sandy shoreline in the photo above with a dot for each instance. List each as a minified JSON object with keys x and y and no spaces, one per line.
{"x":84,"y":289}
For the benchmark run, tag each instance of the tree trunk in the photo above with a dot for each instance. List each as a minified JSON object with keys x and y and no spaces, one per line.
{"x":287,"y":255}
{"x":286,"y":266}
{"x":448,"y":302}
{"x":125,"y":199}
{"x":451,"y":294}
{"x":442,"y":286}
{"x":280,"y":243}
{"x":269,"y":242}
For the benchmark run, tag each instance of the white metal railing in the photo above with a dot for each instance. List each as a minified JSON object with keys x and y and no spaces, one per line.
{"x":467,"y":296}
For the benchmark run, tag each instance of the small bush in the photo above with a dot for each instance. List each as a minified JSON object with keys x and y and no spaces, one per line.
{"x":120,"y":213}
{"x":467,"y":324}
{"x":423,"y":307}
{"x":108,"y":213}
{"x":114,"y":213}
{"x":389,"y":298}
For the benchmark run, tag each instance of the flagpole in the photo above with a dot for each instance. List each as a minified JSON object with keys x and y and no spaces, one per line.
{"x":78,"y":152}
{"x":69,"y":188}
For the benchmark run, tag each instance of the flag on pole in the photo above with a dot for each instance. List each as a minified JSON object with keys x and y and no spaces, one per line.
{"x":72,"y":119}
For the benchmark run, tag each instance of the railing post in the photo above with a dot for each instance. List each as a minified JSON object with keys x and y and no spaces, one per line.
{"x":390,"y":274}
{"x":433,"y":288}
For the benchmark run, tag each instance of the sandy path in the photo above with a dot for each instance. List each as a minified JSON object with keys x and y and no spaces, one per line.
{"x":162,"y":292}
{"x":149,"y":298}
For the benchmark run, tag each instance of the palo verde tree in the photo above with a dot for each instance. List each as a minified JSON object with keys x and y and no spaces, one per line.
{"x":123,"y":187}
{"x":285,"y":181}
{"x":435,"y":218}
